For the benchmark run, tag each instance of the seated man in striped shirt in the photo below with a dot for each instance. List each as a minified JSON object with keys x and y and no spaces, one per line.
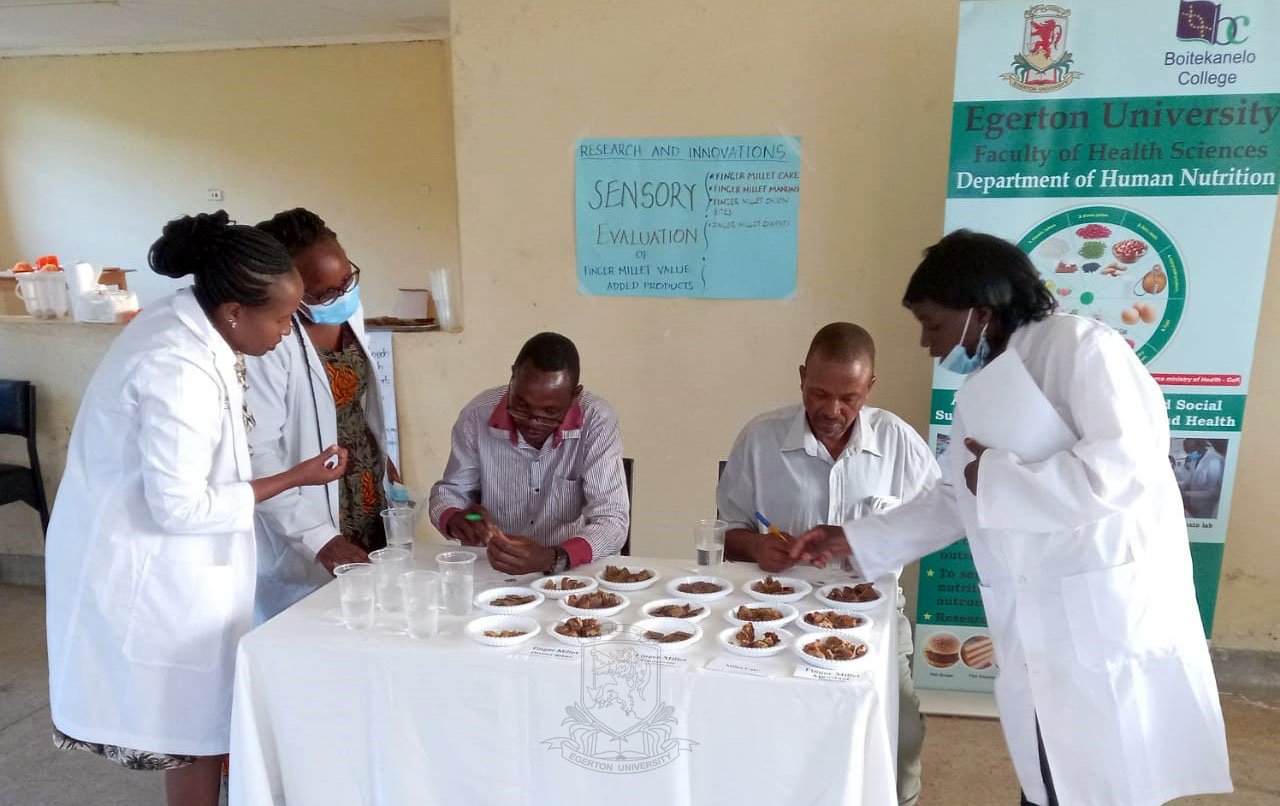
{"x":535,"y":468}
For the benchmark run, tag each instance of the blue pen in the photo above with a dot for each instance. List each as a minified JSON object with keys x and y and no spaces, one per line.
{"x":773,"y":530}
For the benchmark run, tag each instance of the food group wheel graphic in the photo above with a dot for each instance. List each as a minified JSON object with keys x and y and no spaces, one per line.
{"x":1115,"y":266}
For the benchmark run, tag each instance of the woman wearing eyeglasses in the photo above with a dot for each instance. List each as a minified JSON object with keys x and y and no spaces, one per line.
{"x":317,"y":388}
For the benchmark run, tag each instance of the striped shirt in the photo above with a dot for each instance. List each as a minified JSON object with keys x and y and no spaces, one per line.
{"x":570,"y":493}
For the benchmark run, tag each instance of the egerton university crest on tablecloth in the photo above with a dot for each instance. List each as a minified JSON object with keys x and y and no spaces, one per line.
{"x":620,"y":723}
{"x":1044,"y":65}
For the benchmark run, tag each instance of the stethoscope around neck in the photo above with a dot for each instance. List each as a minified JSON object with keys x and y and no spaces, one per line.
{"x":315,"y":400}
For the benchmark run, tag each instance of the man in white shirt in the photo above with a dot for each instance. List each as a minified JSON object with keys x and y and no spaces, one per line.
{"x":535,"y":468}
{"x":829,"y":459}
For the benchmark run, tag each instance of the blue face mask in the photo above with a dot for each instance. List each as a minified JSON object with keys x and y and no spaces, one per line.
{"x":958,"y":360}
{"x":1194,"y":456}
{"x":335,"y":312}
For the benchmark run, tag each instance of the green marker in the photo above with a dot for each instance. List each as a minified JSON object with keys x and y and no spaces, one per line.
{"x":474,"y":517}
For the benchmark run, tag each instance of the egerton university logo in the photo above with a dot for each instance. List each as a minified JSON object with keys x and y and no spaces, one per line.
{"x":1044,"y":65}
{"x":620,"y":723}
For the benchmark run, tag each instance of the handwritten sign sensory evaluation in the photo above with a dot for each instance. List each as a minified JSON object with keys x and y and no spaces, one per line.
{"x":1139,"y":172}
{"x":709,"y":217}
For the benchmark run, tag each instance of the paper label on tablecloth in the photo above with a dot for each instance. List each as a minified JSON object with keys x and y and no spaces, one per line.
{"x":736,"y":667}
{"x":814,"y":673}
{"x":672,"y":661}
{"x":555,"y":652}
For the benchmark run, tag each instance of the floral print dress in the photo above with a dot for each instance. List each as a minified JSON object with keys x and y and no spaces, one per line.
{"x":361,"y":498}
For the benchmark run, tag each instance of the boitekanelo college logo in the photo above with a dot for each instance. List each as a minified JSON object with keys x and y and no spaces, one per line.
{"x":1044,"y":65}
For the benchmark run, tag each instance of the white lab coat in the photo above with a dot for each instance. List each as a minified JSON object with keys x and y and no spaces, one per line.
{"x":1086,"y":581}
{"x":1203,"y":486}
{"x":292,"y":402}
{"x":149,"y":563}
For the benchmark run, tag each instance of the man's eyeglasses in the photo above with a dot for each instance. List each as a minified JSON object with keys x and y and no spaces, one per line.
{"x":523,"y":416}
{"x":332,"y":294}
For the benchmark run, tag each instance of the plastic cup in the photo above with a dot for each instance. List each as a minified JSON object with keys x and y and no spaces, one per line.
{"x":356,"y":594}
{"x":398,"y":524}
{"x":421,"y":591}
{"x":389,"y":565}
{"x":457,"y":581}
{"x":708,"y":544}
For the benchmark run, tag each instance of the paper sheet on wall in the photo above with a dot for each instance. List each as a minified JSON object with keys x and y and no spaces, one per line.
{"x":384,"y":368}
{"x":704,"y":217}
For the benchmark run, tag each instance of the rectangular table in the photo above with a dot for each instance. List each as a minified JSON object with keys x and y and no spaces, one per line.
{"x":326,"y":715}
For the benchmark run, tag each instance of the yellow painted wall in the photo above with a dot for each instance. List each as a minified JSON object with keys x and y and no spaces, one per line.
{"x":97,"y":152}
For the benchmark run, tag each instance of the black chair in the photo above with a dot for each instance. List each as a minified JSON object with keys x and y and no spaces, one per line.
{"x":18,"y":418}
{"x":720,"y":475}
{"x":626,"y":471}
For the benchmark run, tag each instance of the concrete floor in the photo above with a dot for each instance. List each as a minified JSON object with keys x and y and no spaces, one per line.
{"x":964,"y":763}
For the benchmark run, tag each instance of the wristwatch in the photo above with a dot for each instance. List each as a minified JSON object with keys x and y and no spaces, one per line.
{"x":560,"y":564}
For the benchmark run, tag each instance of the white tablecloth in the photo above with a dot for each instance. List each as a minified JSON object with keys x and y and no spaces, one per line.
{"x":326,"y":715}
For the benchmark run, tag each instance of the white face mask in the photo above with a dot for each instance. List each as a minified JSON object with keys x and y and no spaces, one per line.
{"x":958,"y":360}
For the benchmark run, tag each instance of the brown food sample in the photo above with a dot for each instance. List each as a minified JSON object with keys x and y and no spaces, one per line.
{"x":746,"y":637}
{"x":773,"y":587}
{"x":669,"y":637}
{"x":745,"y":613}
{"x":835,"y":648}
{"x":580,"y":628}
{"x":594,"y":600}
{"x":514,"y":600}
{"x":676,"y":611}
{"x":700,"y":587}
{"x":862,"y":592}
{"x":831,"y":620}
{"x":565,"y":584}
{"x":622,"y":575}
{"x":503,"y":633}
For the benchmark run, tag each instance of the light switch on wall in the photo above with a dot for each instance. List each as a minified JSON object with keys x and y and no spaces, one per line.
{"x":215,"y":194}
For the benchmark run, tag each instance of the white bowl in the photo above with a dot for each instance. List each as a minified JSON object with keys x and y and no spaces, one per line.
{"x":656,"y":603}
{"x":559,"y":594}
{"x":484,"y":597}
{"x":834,"y":604}
{"x":628,"y":586}
{"x":673,"y":588}
{"x":610,"y":630}
{"x":727,"y":643}
{"x":599,"y":612}
{"x":823,"y":663}
{"x":789,"y":614}
{"x":668,"y":625}
{"x":803,"y":589}
{"x":476,"y":628}
{"x":863,"y":628}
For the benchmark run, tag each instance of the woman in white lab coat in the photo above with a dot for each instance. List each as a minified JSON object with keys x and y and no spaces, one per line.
{"x":1202,"y":484}
{"x":1105,"y":690}
{"x":318,"y":387}
{"x":150,"y":557}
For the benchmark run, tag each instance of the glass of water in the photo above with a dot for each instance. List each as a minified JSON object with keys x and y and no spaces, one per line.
{"x":398,"y":524}
{"x":708,"y":544}
{"x":421,"y":591}
{"x":389,"y":564}
{"x":457,"y":581}
{"x":355,"y":591}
